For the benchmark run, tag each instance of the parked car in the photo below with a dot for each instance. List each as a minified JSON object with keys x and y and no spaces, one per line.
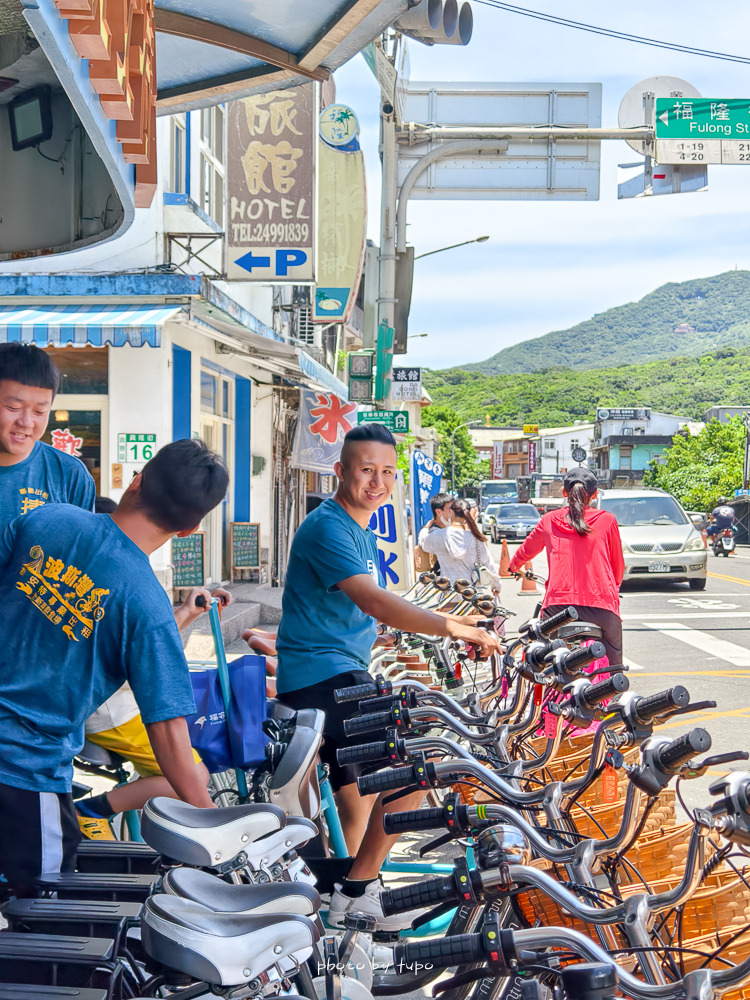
{"x":659,"y":540}
{"x":511,"y":520}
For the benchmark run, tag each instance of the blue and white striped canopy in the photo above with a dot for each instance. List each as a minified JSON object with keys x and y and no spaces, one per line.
{"x":79,"y":325}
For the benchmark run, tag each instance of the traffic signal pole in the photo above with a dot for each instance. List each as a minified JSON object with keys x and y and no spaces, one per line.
{"x":389,"y":194}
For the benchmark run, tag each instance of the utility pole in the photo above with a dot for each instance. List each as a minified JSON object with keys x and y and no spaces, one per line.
{"x":386,"y":305}
{"x":746,"y":463}
{"x":471,"y":423}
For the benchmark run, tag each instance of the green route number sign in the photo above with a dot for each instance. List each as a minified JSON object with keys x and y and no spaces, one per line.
{"x":135,"y":447}
{"x":702,"y":130}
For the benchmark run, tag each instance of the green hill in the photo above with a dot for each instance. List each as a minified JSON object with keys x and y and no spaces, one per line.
{"x":556,"y":397}
{"x":684,"y":319}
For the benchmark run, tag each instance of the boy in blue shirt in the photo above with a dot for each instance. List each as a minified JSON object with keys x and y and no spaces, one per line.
{"x":89,"y":614}
{"x":32,"y":473}
{"x":332,"y":600}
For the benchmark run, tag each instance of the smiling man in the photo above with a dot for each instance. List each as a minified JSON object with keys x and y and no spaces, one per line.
{"x":333,"y":599}
{"x":33,"y":474}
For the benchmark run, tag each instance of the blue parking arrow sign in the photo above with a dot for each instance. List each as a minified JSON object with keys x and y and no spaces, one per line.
{"x":283,"y":260}
{"x":249,"y":261}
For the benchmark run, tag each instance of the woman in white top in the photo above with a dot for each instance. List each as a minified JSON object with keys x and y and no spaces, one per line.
{"x":461,"y":548}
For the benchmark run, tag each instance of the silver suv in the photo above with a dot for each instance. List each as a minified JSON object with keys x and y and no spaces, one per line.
{"x":659,"y":541}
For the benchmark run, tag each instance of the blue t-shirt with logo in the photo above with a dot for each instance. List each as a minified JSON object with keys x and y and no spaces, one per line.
{"x":46,"y":476}
{"x":84,"y":614}
{"x":322,"y":631}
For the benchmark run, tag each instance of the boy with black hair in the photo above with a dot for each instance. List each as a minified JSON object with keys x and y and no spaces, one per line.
{"x":89,"y":614}
{"x":32,"y":473}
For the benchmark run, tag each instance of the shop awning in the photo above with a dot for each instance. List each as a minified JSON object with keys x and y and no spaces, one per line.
{"x":81,"y":326}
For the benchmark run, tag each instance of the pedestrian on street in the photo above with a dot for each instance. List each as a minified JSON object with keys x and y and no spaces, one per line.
{"x":584,"y":553}
{"x":461,"y":548}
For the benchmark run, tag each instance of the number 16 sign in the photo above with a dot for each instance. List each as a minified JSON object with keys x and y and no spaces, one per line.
{"x":135,"y":447}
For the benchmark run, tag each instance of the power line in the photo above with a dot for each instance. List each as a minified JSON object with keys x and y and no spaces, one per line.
{"x":612,"y":33}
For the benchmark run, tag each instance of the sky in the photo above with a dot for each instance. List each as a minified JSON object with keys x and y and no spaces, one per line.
{"x":549,"y":265}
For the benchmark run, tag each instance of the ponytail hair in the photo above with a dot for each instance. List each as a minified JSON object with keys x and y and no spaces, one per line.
{"x":578,"y":500}
{"x":461,"y":509}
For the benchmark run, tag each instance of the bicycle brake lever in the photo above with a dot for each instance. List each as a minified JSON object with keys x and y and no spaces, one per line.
{"x":694,"y":706}
{"x":437,"y":842}
{"x":436,"y":911}
{"x":700,"y":767}
{"x":399,"y":794}
{"x":618,"y":668}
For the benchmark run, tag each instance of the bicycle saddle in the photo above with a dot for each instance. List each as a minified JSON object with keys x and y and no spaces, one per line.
{"x":254,"y":900}
{"x":578,"y":630}
{"x":294,"y":782}
{"x":92,"y":753}
{"x":224,"y":949}
{"x":206,"y":837}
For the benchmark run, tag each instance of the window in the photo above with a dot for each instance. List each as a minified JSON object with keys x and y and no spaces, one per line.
{"x":177,"y":177}
{"x":625,"y":455}
{"x":216,"y":395}
{"x":524,"y":446}
{"x":627,"y":430}
{"x":212,"y":162}
{"x":549,"y":444}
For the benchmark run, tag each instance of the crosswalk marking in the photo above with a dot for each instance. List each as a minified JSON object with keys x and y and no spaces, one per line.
{"x":707,"y":643}
{"x":631,"y":664}
{"x":691,"y":615}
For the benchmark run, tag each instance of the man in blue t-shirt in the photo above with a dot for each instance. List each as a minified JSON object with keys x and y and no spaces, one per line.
{"x":31,"y":473}
{"x":88,"y":615}
{"x":332,"y":602}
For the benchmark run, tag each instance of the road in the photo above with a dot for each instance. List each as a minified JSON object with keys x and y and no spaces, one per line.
{"x":672,"y":635}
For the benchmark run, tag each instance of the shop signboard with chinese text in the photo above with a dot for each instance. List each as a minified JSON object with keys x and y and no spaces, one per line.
{"x":497,"y":460}
{"x":532,"y":456}
{"x":397,"y":421}
{"x":702,"y":130}
{"x":388,"y":523}
{"x":188,"y":560}
{"x":406,"y":385}
{"x":245,"y":546}
{"x":624,"y":413}
{"x":270,"y":186}
{"x":323,"y":421}
{"x":426,"y":476}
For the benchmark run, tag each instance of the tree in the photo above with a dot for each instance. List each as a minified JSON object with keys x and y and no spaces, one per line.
{"x":469,"y":469}
{"x":698,"y":470}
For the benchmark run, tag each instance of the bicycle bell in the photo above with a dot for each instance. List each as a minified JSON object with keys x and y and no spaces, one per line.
{"x":503,"y":843}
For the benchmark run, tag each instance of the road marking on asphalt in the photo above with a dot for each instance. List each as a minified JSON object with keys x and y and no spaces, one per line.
{"x":732,"y":579}
{"x":631,"y":664}
{"x":673,"y":615}
{"x":707,"y":643}
{"x":701,"y":673}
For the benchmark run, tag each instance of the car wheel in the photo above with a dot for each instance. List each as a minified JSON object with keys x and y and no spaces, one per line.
{"x":697,"y":584}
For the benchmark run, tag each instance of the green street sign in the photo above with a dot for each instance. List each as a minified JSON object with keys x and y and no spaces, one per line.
{"x":702,"y":118}
{"x":702,"y":130}
{"x":397,"y":421}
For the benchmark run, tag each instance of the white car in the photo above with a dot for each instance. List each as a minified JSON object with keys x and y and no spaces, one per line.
{"x":659,"y":540}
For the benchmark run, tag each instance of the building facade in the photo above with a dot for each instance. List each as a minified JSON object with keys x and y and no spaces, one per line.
{"x":628,"y":439}
{"x":556,"y":446}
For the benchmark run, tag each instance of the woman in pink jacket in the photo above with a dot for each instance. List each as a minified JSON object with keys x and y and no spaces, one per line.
{"x":584,"y":553}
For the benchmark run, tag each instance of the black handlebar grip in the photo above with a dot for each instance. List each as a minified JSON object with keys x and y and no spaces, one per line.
{"x":613,"y":685}
{"x":442,"y":583}
{"x":554,"y":622}
{"x":385,"y":781}
{"x":372,"y":722}
{"x":414,"y":819}
{"x":420,"y":894}
{"x":672,"y":755}
{"x":577,"y":659}
{"x":457,"y":949}
{"x":364,"y":753}
{"x":652,"y":705}
{"x":356,"y":692}
{"x":461,"y":584}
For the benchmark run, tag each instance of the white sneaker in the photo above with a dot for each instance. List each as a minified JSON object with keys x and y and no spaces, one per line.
{"x":369,"y":904}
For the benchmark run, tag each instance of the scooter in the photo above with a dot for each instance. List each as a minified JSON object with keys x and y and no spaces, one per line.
{"x":723,"y":542}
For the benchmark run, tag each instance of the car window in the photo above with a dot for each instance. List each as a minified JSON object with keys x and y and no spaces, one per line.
{"x":517,"y":510}
{"x":644,"y":510}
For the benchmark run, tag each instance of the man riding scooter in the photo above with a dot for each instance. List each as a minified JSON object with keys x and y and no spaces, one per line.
{"x":721,"y":528}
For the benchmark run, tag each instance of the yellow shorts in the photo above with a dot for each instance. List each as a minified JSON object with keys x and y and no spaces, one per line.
{"x":130,"y":740}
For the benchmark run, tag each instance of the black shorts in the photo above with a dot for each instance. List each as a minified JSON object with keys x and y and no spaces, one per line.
{"x":321,"y":696}
{"x":608,"y":622}
{"x":39,"y":833}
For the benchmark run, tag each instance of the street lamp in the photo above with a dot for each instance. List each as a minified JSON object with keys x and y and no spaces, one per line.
{"x":479,"y":239}
{"x":470,"y":423}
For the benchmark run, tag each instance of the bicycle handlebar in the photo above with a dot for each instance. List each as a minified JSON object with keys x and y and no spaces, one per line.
{"x":650,"y":707}
{"x":414,"y":820}
{"x":371,"y":689}
{"x":421,"y":894}
{"x":597,"y":693}
{"x":671,"y":756}
{"x":458,"y":949}
{"x":554,"y":622}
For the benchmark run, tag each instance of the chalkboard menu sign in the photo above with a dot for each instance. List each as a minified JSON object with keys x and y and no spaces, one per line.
{"x":245,"y":545}
{"x":187,"y":560}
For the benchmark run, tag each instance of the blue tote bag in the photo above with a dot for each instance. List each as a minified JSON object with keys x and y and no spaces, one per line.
{"x":234,"y":738}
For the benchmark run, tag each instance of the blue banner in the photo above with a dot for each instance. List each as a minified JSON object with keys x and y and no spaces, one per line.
{"x":426,"y":477}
